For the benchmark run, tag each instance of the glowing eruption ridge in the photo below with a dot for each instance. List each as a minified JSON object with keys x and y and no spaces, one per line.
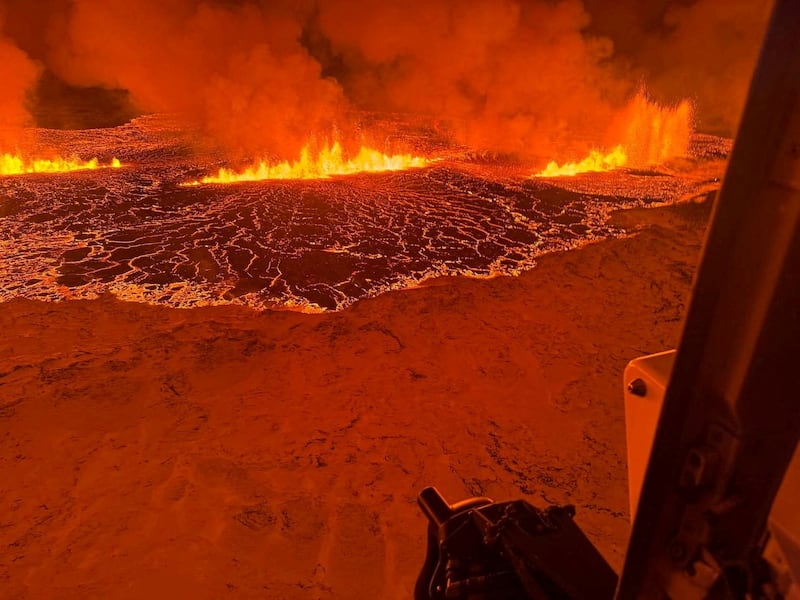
{"x":328,"y":162}
{"x":650,"y":134}
{"x":15,"y":165}
{"x":594,"y":163}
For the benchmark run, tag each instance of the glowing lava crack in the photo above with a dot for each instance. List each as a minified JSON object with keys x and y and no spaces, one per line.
{"x":16,"y":165}
{"x":329,"y":162}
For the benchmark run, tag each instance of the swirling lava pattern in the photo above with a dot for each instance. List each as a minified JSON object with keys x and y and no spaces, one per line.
{"x":306,"y":245}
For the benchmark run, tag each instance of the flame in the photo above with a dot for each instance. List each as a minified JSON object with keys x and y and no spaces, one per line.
{"x":650,"y":134}
{"x":594,"y":163}
{"x":326,"y":163}
{"x":11,"y":164}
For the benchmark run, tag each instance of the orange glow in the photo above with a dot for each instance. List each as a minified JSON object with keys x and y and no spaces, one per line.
{"x":595,"y":162}
{"x":16,"y":165}
{"x":328,"y":162}
{"x":654,"y":134}
{"x":647,"y":134}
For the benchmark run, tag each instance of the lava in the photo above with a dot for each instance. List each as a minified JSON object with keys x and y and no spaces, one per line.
{"x":328,"y":162}
{"x":304,"y":245}
{"x":11,"y":164}
{"x":653,"y":134}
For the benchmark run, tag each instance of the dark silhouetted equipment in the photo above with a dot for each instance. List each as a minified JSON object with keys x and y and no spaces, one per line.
{"x":728,"y":425}
{"x":506,"y":550}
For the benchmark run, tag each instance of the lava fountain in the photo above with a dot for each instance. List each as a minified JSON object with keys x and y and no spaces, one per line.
{"x":326,"y":163}
{"x":650,"y":135}
{"x":11,"y":164}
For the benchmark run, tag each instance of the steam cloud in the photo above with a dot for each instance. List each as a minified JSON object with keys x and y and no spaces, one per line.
{"x":529,"y":77}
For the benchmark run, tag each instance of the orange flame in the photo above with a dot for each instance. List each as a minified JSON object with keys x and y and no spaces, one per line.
{"x":11,"y":164}
{"x":594,"y":163}
{"x":650,"y":134}
{"x":328,"y":162}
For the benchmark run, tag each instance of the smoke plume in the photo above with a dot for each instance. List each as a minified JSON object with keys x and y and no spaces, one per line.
{"x":510,"y":76}
{"x":237,"y":70}
{"x":536,"y":78}
{"x":704,"y":50}
{"x":18,"y":73}
{"x":708,"y":53}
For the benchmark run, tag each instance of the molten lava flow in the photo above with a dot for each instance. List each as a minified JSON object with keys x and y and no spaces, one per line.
{"x":328,"y":162}
{"x":594,"y":163}
{"x":15,"y":165}
{"x":650,"y":134}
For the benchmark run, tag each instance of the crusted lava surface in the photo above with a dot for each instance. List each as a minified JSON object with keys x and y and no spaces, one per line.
{"x":309,"y":245}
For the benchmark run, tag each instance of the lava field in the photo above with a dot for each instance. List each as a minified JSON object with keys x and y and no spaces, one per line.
{"x":307,"y":244}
